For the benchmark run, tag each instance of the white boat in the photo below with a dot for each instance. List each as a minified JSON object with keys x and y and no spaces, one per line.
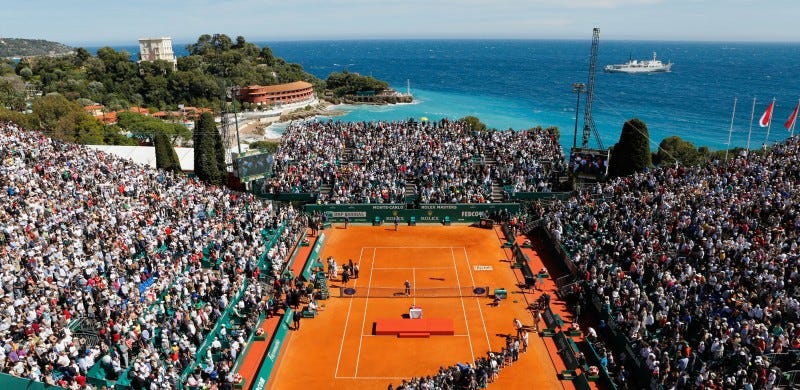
{"x":643,"y":66}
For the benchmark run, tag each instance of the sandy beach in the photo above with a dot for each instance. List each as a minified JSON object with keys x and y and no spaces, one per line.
{"x":271,"y":128}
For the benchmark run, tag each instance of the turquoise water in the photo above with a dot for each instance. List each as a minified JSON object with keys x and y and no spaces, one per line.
{"x":437,"y":105}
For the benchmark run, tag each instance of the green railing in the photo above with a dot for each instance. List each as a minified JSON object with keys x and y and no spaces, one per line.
{"x":313,"y":258}
{"x":268,"y":364}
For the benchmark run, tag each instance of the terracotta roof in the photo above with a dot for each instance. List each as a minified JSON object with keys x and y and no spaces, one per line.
{"x":107,"y":118}
{"x":258,"y":89}
{"x":139,"y":110}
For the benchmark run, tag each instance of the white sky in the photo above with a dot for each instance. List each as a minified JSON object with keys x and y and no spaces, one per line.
{"x":93,"y":22}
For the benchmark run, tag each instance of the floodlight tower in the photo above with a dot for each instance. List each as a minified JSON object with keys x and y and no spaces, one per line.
{"x":588,"y":122}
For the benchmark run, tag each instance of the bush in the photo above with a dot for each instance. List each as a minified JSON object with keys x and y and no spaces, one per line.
{"x":673,"y":149}
{"x":474,"y":123}
{"x":267,"y":146}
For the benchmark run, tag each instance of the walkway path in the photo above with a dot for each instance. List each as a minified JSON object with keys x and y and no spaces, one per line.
{"x":255,"y":354}
{"x":538,"y":259}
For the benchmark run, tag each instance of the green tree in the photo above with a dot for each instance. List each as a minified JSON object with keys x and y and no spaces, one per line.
{"x":674,"y":148}
{"x":474,"y":123}
{"x":267,"y":146}
{"x":206,"y":166}
{"x":632,"y":153}
{"x":219,"y":153}
{"x":7,"y":67}
{"x":89,"y":130}
{"x":266,"y":56}
{"x":114,"y":135}
{"x":17,"y":117}
{"x":142,"y":126}
{"x":166,"y":158}
{"x":57,"y":116}
{"x":344,"y":83}
{"x":12,"y":92}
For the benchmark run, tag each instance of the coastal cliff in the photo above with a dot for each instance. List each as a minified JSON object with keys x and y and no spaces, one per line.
{"x":311,"y":111}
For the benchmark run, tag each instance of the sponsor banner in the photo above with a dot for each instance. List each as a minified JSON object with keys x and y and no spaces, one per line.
{"x":348,"y":214}
{"x":482,"y":268}
{"x":426,"y":213}
{"x":438,"y":206}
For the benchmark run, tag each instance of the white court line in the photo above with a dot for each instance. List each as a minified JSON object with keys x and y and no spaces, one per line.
{"x":414,"y":268}
{"x":414,"y":278}
{"x":414,"y":247}
{"x":366,"y":303}
{"x":480,"y":310}
{"x":346,"y":320}
{"x":463,"y":308}
{"x":372,"y":377}
{"x":380,"y":335}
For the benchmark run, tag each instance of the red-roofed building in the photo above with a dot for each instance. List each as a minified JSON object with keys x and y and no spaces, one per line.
{"x":95,"y":109}
{"x":139,"y":110}
{"x":108,"y":118}
{"x":297,"y":91}
{"x":193,"y":113}
{"x":167,"y":114}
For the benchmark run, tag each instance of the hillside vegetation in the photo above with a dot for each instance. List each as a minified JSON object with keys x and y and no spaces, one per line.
{"x":113,"y":79}
{"x":20,"y":47}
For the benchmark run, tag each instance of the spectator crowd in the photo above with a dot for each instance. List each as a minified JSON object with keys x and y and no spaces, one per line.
{"x":145,"y":259}
{"x":438,"y":162}
{"x":697,"y":266}
{"x":466,"y":376}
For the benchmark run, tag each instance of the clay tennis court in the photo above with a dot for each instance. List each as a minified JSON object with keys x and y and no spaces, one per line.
{"x":444,"y":264}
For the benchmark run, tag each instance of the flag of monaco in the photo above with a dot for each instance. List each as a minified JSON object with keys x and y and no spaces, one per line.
{"x":767,"y":117}
{"x":792,"y":118}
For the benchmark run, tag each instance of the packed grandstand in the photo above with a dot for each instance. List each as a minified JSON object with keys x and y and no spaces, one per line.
{"x":432,"y":162}
{"x":119,"y":271}
{"x":697,"y":266}
{"x":115,"y":270}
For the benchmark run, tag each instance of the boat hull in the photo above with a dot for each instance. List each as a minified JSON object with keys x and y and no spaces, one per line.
{"x":616,"y":70}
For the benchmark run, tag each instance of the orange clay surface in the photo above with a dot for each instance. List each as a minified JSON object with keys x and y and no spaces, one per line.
{"x":257,"y":349}
{"x":338,"y":349}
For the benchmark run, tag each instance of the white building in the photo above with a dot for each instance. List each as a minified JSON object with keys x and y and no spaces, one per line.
{"x":151,"y":49}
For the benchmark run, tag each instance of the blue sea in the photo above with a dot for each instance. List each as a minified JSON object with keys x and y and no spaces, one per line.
{"x":521,"y":84}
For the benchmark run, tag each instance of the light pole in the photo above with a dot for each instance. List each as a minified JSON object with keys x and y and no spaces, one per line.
{"x":234,"y":92}
{"x":578,"y":88}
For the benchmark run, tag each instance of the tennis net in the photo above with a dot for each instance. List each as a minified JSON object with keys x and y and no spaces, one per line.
{"x":428,"y":292}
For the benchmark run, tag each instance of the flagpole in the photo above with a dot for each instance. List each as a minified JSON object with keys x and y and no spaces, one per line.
{"x":769,"y":125}
{"x":749,"y":132}
{"x":730,"y":131}
{"x":795,"y":120}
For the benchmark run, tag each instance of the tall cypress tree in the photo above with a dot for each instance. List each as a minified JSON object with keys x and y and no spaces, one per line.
{"x":219,"y":155}
{"x":166,"y":158}
{"x":206,"y":166}
{"x":632,"y":153}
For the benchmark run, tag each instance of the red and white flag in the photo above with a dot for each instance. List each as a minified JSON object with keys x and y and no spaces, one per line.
{"x":792,"y":118}
{"x":767,"y":117}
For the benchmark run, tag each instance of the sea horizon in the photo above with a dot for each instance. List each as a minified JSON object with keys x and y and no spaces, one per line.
{"x":260,"y":41}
